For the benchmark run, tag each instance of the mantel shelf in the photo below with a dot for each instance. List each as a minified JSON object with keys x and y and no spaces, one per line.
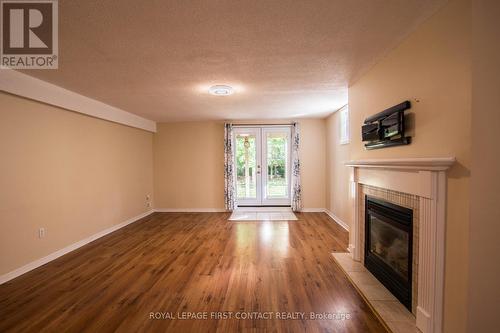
{"x":431,"y":163}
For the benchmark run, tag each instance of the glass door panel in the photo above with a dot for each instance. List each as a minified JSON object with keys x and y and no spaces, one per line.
{"x":247,"y":164}
{"x":276,"y":158}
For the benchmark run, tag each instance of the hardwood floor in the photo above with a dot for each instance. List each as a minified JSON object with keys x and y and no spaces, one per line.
{"x":172,"y":264}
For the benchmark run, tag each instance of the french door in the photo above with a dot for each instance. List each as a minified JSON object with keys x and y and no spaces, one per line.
{"x":262,"y":163}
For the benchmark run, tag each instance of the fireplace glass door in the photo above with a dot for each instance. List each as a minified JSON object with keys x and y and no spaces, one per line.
{"x":388,"y":246}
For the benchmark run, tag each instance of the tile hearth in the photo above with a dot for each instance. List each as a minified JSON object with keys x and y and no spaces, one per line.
{"x":393,"y":314}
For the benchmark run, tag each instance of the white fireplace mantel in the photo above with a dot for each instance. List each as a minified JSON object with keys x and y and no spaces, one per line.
{"x":425,"y":178}
{"x":429,"y":164}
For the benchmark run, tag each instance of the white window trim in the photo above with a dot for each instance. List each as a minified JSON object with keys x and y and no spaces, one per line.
{"x":345,"y":138}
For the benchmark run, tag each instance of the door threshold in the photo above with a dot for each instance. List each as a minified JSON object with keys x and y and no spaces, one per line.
{"x":263,"y":209}
{"x":264,"y":205}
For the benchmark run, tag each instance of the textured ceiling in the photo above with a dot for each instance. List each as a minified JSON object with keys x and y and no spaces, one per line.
{"x":286,"y":58}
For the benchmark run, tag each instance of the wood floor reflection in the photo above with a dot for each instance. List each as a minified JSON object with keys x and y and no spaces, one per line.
{"x":172,"y":264}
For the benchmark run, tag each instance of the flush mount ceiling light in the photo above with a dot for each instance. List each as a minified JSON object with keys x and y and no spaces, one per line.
{"x":221,"y":90}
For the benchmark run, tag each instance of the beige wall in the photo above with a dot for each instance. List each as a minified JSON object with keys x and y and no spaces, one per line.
{"x":433,"y":66}
{"x":313,"y":162}
{"x":189,"y":164}
{"x":337,"y":194}
{"x":484,"y":267}
{"x":71,"y":174}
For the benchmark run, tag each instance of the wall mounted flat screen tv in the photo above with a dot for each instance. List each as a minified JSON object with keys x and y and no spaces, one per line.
{"x":386,"y":128}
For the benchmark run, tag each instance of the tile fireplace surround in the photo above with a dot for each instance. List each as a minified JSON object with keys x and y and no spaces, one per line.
{"x":420,"y":184}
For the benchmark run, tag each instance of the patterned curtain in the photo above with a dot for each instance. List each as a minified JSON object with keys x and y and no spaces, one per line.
{"x":296,"y":188}
{"x":228,"y":167}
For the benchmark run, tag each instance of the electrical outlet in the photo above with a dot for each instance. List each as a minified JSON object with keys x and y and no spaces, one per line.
{"x":148,"y":204}
{"x":148,"y":197}
{"x":41,"y":233}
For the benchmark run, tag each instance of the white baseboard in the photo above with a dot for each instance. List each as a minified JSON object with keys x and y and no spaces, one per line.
{"x":312,"y":210}
{"x":337,"y":219}
{"x":42,"y":261}
{"x":329,"y":213}
{"x":190,"y":210}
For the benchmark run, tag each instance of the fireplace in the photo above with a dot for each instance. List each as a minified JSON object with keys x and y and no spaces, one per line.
{"x":388,"y":246}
